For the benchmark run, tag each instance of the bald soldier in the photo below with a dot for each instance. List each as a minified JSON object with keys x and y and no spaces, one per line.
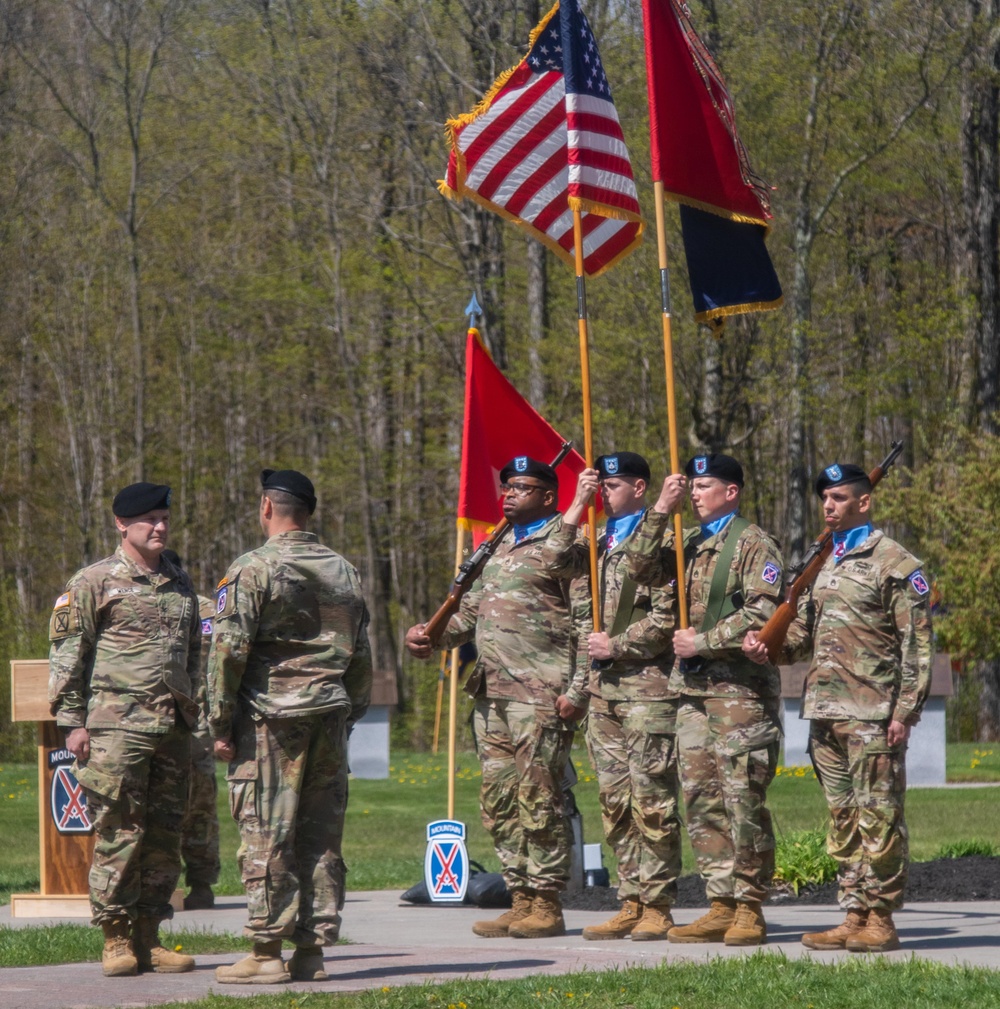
{"x":867,"y":628}
{"x":728,"y":724}
{"x":632,"y":709}
{"x":289,"y":674}
{"x":520,"y":613}
{"x":123,"y":672}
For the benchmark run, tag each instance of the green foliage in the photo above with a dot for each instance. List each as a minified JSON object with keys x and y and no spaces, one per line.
{"x":801,"y":858}
{"x":960,"y":849}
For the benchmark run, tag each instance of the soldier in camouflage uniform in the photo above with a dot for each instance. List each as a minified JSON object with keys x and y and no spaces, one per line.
{"x":520,"y":614}
{"x":728,"y":719}
{"x":867,"y":626}
{"x":123,"y":668}
{"x":289,"y":674}
{"x":200,"y":829}
{"x":632,"y":710}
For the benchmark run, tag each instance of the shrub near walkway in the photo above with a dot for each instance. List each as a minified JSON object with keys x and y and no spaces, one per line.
{"x":761,"y":981}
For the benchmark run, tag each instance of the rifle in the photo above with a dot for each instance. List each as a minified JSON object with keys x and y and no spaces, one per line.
{"x":470,"y":569}
{"x":775,"y":630}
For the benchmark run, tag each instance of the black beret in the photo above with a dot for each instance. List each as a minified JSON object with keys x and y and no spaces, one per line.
{"x":524,"y":465}
{"x":291,"y":482}
{"x":837,"y":474}
{"x":622,"y":464}
{"x":139,"y":498}
{"x":722,"y":467}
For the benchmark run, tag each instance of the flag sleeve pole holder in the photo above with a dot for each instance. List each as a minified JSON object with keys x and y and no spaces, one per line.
{"x":668,"y":360}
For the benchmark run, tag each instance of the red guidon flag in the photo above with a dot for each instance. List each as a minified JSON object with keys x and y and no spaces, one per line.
{"x":546,"y":141}
{"x":501,"y":424}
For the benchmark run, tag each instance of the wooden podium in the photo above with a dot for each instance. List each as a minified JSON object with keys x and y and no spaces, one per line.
{"x":65,"y":834}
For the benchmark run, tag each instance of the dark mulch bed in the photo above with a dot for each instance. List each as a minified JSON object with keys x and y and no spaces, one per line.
{"x":974,"y":877}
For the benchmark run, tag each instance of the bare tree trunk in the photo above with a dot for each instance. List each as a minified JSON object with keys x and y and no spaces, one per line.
{"x":538,"y":321}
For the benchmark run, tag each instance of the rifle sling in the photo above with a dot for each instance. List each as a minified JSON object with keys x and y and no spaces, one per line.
{"x":719,"y":604}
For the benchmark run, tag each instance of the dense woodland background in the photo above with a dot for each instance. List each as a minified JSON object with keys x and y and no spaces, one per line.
{"x":223,"y":248}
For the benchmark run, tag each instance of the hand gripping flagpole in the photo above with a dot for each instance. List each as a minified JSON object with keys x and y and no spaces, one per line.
{"x":588,"y":434}
{"x":668,"y":358}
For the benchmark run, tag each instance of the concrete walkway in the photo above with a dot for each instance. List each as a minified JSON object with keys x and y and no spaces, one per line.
{"x":396,"y":944}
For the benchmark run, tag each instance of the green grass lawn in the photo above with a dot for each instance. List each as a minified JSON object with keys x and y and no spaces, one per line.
{"x":385,"y":832}
{"x":761,"y":981}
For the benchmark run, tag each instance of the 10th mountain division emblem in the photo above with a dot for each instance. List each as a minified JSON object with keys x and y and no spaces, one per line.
{"x":68,"y":800}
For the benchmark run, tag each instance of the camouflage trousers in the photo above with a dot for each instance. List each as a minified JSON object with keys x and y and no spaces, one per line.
{"x":523,"y":749}
{"x":288,"y":794}
{"x":136,"y":783}
{"x":200,"y":829}
{"x":633,"y":750}
{"x":864,"y":781}
{"x":728,"y":753}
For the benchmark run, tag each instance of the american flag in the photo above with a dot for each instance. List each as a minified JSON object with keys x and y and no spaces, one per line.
{"x":546,"y":140}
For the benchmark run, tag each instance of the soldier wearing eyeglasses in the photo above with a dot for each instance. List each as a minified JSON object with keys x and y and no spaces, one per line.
{"x":519,"y":613}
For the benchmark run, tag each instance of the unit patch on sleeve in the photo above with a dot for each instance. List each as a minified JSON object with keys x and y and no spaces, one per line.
{"x":771,"y":573}
{"x":61,"y":621}
{"x":918,"y":581}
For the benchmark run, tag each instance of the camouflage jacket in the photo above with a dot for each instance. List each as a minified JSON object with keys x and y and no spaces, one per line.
{"x":755,"y":574}
{"x":642,"y":653}
{"x":291,"y":635}
{"x":520,"y":613}
{"x":206,"y":612}
{"x":867,"y":625}
{"x":124,"y":648}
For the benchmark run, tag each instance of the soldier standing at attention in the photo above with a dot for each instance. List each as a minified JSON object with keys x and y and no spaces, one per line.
{"x":200,"y":829}
{"x":728,"y":724}
{"x":123,"y":669}
{"x":520,"y":614}
{"x":868,"y":629}
{"x":632,"y":715}
{"x":289,"y":674}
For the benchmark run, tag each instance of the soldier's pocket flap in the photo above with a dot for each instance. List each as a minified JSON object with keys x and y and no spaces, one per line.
{"x":660,"y":725}
{"x":107,"y":785}
{"x":747,"y":738}
{"x":242,"y":770}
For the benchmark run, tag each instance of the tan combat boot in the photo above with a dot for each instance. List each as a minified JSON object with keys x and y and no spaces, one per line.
{"x":836,"y":938}
{"x":546,"y":918}
{"x":263,"y":966}
{"x":306,"y":964}
{"x":710,"y":927}
{"x":655,"y":924}
{"x":619,"y":927}
{"x":878,"y":936}
{"x":118,"y":957}
{"x":152,"y":955}
{"x":748,"y":927}
{"x":497,"y":928}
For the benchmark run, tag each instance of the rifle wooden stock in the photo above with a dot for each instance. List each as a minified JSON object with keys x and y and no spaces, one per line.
{"x":775,"y":631}
{"x":470,"y":570}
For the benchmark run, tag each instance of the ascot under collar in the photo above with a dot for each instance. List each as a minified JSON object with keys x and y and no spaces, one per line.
{"x":522,"y":532}
{"x":619,"y":529}
{"x":850,"y":539}
{"x":716,"y":526}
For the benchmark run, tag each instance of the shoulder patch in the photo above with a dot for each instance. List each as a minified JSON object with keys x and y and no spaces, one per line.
{"x":225,"y":581}
{"x":63,"y":600}
{"x":206,"y":626}
{"x":62,"y":623}
{"x":919,"y":582}
{"x":225,"y":597}
{"x":771,"y":573}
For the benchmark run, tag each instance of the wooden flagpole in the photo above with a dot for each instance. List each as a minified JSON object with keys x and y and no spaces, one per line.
{"x":668,"y":358}
{"x":439,"y":703}
{"x":588,"y":433}
{"x":453,"y":695}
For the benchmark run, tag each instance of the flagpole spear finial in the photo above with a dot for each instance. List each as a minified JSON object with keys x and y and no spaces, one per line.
{"x":473,"y":310}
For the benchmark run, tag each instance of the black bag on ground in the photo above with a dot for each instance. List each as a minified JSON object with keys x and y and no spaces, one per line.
{"x":485,"y":889}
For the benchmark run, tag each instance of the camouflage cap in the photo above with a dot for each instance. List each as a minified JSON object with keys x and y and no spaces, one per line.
{"x":837,"y":474}
{"x":291,"y":482}
{"x":139,"y":498}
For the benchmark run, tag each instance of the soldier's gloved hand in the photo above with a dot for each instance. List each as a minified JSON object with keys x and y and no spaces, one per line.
{"x":417,"y":643}
{"x":754,"y":648}
{"x":671,"y":494}
{"x":78,"y":743}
